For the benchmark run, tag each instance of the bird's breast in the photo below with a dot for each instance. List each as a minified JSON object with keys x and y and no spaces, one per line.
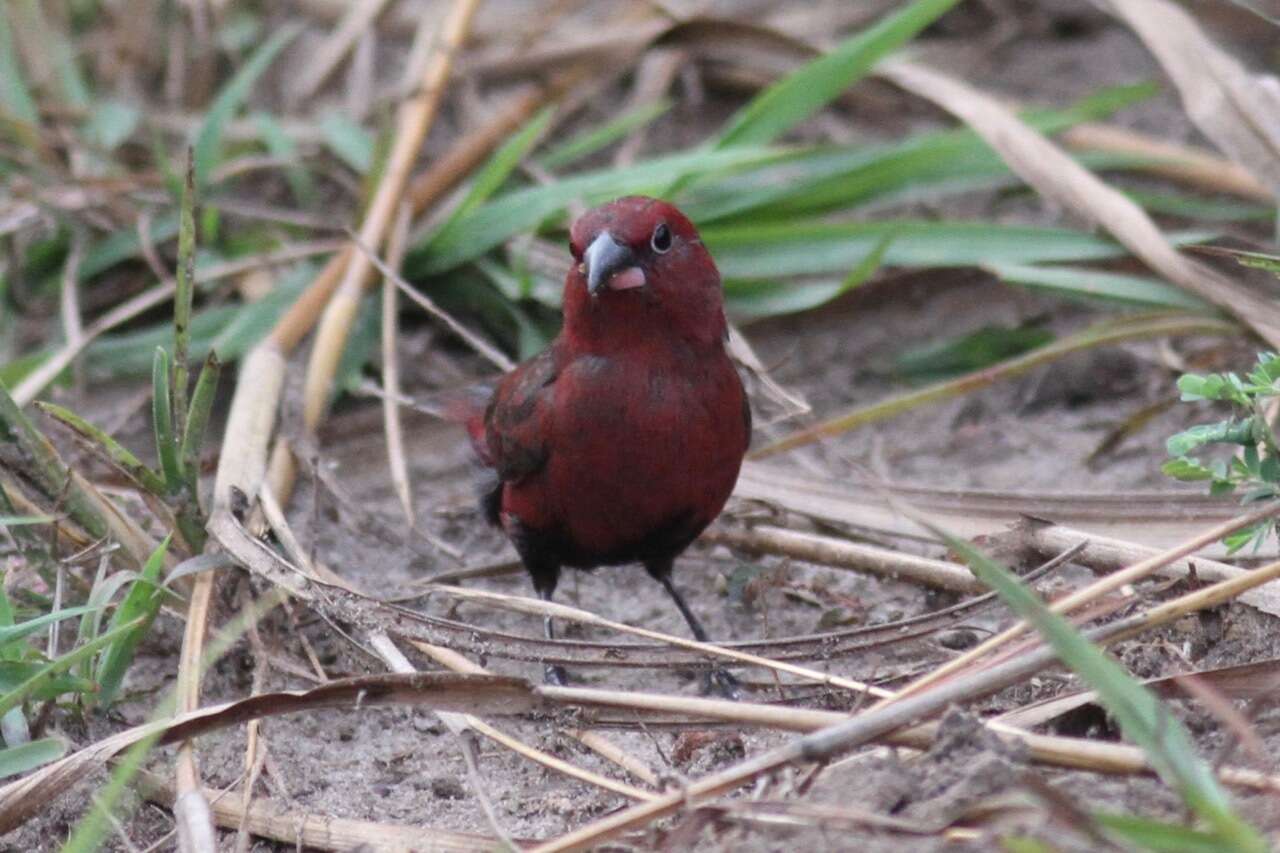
{"x":640,"y":442}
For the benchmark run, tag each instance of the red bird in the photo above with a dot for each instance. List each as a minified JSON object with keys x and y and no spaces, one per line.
{"x":622,"y":440}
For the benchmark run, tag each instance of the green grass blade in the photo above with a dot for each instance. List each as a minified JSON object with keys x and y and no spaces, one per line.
{"x":124,"y":245}
{"x":821,"y":248}
{"x":162,"y":422}
{"x":208,"y":142}
{"x":115,"y":452}
{"x":231,"y":330}
{"x":747,"y":298}
{"x":57,"y":666}
{"x":45,"y":467}
{"x":503,"y":162}
{"x":183,"y":295}
{"x":111,"y":122}
{"x":598,"y":138}
{"x":1256,"y":260}
{"x":29,"y":756}
{"x":974,"y":351}
{"x":280,"y":146}
{"x":15,"y":673}
{"x":15,"y":97}
{"x":15,"y":633}
{"x":501,"y":218}
{"x":6,"y":609}
{"x":791,"y":100}
{"x":827,"y":178}
{"x":93,"y":826}
{"x":348,"y":141}
{"x":24,"y":521}
{"x":139,"y":609}
{"x":1142,"y":291}
{"x":1142,"y":717}
{"x":1201,"y":209}
{"x":1159,"y":837}
{"x":495,"y":172}
{"x":197,"y":422}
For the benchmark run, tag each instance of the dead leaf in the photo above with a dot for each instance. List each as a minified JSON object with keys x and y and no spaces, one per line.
{"x":1057,"y":176}
{"x":1237,"y":110}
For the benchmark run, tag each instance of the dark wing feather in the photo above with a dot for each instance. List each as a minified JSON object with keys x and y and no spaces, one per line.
{"x":516,"y":422}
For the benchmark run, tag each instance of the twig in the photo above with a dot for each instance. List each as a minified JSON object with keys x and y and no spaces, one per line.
{"x":253,"y":410}
{"x":840,"y":553}
{"x":470,"y":754}
{"x":391,"y":369}
{"x":324,"y":59}
{"x":479,"y":344}
{"x":1111,"y":582}
{"x":339,"y":285}
{"x":414,"y":119}
{"x":1106,"y":332}
{"x":69,"y":300}
{"x":1186,"y":164}
{"x":1107,"y":554}
{"x":1056,"y":176}
{"x":460,"y":723}
{"x":592,"y":740}
{"x":267,"y":819}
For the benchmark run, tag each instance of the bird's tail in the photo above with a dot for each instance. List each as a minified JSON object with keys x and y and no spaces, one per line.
{"x":464,"y":406}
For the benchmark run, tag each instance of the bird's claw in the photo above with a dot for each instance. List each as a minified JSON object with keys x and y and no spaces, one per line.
{"x":555,"y":676}
{"x":721,"y":681}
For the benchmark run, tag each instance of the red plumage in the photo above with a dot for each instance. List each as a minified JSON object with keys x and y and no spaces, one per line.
{"x":622,"y":440}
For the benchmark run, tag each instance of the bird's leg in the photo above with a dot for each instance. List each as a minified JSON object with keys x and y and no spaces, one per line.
{"x":551,"y":674}
{"x":717,"y":680}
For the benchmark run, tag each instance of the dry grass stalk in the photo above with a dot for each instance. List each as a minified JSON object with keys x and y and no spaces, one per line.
{"x":1057,"y":176}
{"x":592,"y":740}
{"x":415,"y":118}
{"x":459,"y":724}
{"x":272,"y":820}
{"x":1105,"y":554}
{"x":392,"y":422}
{"x":1184,"y":164}
{"x":841,"y":553}
{"x":323,"y":60}
{"x":832,"y":739}
{"x":1135,"y":572}
{"x":190,"y":809}
{"x":38,"y":379}
{"x":491,"y":353}
{"x":538,"y":607}
{"x":495,"y":696}
{"x":1235,"y":109}
{"x":1153,"y":519}
{"x":339,"y":284}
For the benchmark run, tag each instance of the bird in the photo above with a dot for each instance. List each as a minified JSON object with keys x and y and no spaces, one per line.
{"x":623,"y":439}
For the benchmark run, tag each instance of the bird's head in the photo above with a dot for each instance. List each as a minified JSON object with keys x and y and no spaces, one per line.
{"x":638,"y":260}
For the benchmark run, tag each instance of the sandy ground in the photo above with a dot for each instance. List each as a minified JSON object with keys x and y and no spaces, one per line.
{"x":402,"y":766}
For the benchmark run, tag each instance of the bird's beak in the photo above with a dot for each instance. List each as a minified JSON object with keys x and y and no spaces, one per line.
{"x":607,"y":259}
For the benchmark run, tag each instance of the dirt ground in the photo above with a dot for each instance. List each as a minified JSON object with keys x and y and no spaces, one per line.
{"x":1036,"y":434}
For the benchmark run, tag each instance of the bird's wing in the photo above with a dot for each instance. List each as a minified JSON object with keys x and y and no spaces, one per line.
{"x":518,"y":419}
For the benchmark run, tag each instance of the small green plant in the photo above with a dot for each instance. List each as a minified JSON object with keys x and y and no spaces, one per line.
{"x":1254,"y":469}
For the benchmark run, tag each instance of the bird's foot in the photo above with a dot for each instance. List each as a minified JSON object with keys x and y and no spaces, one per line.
{"x":722,"y":682}
{"x":555,"y":676}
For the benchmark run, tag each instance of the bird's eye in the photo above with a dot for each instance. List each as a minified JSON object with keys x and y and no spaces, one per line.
{"x":661,"y":240}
